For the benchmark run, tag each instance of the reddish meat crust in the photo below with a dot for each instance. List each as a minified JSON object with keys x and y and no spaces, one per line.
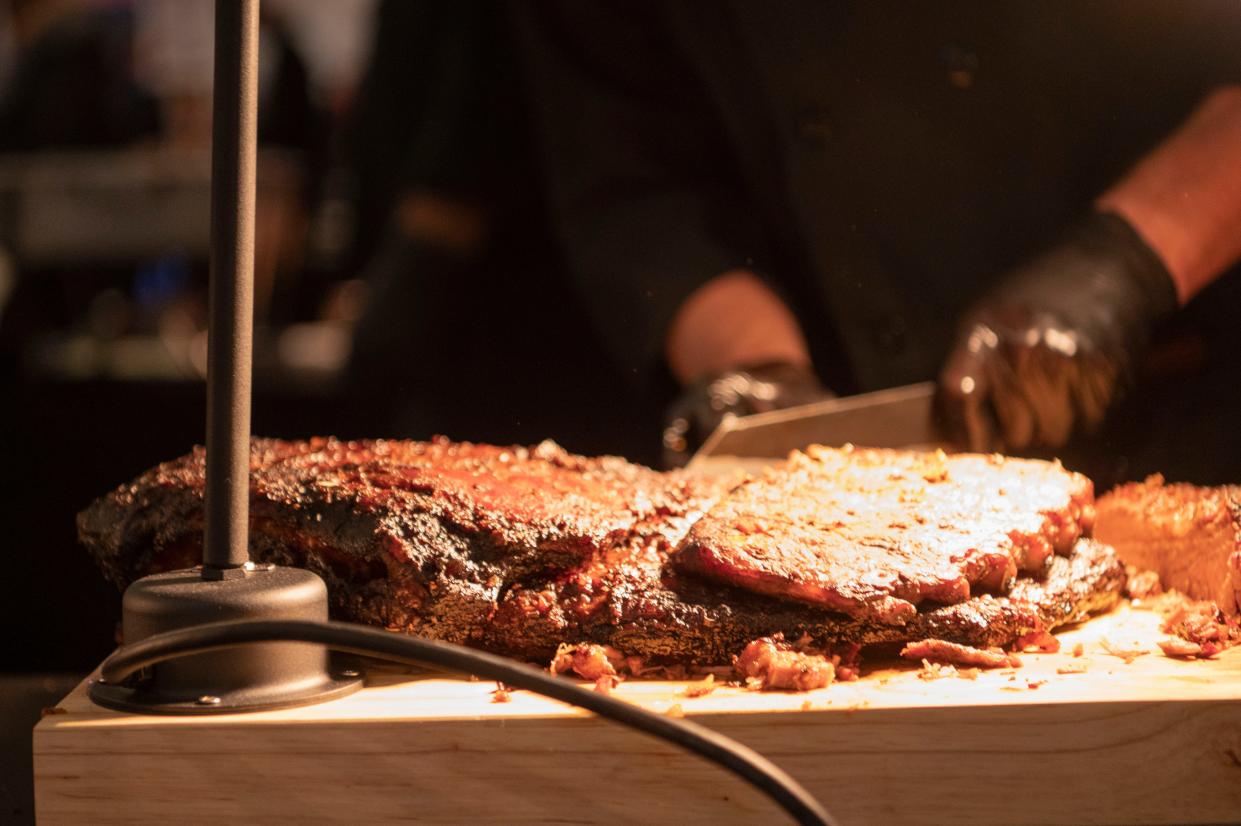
{"x":872,"y":533}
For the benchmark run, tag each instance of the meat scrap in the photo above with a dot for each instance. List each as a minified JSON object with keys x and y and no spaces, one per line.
{"x":1037,"y":641}
{"x":502,"y":693}
{"x":871,"y":533}
{"x":1200,"y":629}
{"x":772,"y":664}
{"x":701,"y":688}
{"x":942,"y":652}
{"x":1189,"y":536}
{"x":1177,"y":647}
{"x":848,"y":660}
{"x":590,"y":662}
{"x":1117,"y":650}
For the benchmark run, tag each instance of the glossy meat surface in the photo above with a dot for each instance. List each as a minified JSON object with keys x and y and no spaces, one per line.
{"x":872,"y":533}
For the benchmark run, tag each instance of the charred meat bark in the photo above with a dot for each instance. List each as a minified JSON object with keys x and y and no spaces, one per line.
{"x":873,"y":533}
{"x":638,"y":606}
{"x":417,"y":536}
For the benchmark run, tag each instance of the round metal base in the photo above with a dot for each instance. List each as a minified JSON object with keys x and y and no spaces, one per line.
{"x":136,"y":699}
{"x":253,"y":677}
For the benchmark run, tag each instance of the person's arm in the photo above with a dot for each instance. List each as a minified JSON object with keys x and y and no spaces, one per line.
{"x":1184,"y":198}
{"x":731,"y":321}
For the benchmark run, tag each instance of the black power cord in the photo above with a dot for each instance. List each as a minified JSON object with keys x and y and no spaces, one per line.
{"x":359,"y":639}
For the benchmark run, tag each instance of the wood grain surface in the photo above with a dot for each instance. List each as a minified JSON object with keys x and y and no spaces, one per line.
{"x":1119,"y":740}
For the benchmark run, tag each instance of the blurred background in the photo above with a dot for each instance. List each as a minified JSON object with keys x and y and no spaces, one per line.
{"x":393,"y":163}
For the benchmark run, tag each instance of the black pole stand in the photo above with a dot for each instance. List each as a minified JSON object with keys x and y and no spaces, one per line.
{"x":228,"y":586}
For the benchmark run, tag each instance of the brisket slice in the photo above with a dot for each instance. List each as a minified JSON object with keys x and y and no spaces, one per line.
{"x":1190,"y":536}
{"x":420,"y":536}
{"x":872,"y":533}
{"x":643,"y":608}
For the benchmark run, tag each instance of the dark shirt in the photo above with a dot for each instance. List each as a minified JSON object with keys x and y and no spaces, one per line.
{"x":880,"y":162}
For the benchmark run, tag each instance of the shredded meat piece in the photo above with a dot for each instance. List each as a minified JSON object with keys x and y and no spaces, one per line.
{"x":775,"y":665}
{"x":1177,"y":647}
{"x":501,"y":694}
{"x":848,"y":659}
{"x":943,"y":652}
{"x":701,"y":688}
{"x":936,"y":671}
{"x":1126,"y":654}
{"x":1040,"y":641}
{"x":590,"y":662}
{"x":1200,"y":629}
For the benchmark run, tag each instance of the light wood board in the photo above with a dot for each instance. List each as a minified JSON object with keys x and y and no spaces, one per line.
{"x":1153,"y":741}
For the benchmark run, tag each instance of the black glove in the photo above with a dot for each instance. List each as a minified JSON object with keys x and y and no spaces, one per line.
{"x":739,"y":392}
{"x":1050,"y":348}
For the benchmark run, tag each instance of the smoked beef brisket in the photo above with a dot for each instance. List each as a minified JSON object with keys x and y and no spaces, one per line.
{"x":872,"y":533}
{"x":518,"y":550}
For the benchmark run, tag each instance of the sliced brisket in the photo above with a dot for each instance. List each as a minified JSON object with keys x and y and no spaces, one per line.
{"x":872,"y":533}
{"x":642,"y":608}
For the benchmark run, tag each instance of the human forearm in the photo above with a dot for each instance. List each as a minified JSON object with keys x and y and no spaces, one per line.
{"x":1184,"y":198}
{"x":731,"y":321}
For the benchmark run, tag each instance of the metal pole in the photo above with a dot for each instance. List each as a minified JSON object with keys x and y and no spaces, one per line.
{"x":231,"y":287}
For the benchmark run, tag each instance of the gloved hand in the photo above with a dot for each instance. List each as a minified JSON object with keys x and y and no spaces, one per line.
{"x":738,"y":392}
{"x":1050,"y":348}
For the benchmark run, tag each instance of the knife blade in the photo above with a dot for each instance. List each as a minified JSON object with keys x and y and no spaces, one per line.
{"x":896,"y":417}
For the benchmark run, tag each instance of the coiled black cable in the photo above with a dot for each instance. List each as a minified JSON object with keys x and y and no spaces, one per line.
{"x":359,"y":639}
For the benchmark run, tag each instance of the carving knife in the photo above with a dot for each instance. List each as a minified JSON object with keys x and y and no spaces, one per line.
{"x":899,"y":417}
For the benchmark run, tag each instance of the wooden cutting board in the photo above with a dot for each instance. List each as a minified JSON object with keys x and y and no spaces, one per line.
{"x":1117,"y":740}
